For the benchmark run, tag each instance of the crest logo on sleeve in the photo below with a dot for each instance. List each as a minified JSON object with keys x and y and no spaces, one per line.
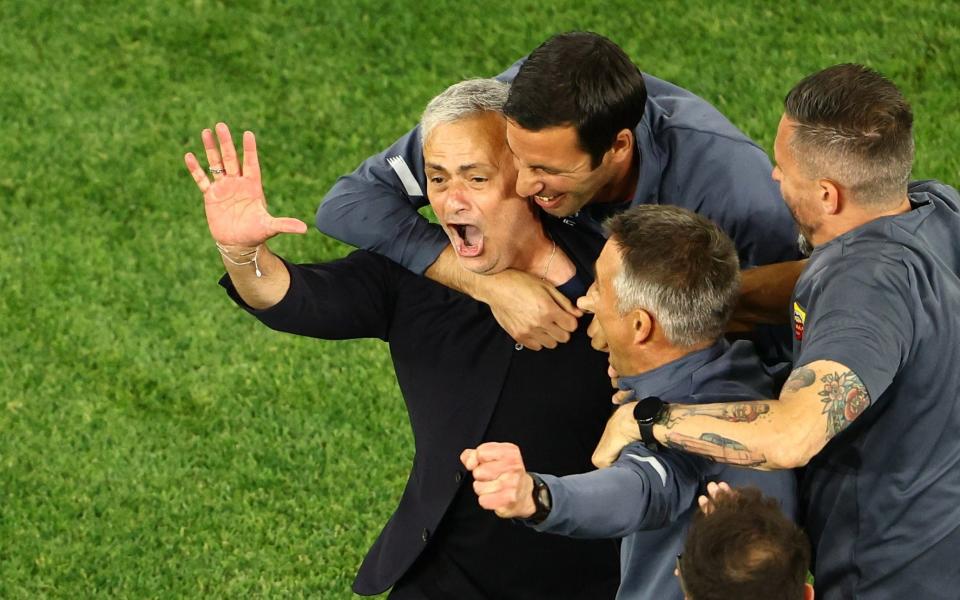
{"x":799,"y":317}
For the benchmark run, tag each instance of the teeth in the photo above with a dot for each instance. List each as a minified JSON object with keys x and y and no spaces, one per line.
{"x":544,"y":198}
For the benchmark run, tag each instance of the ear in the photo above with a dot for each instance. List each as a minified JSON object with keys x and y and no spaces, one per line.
{"x":831,"y":196}
{"x":641,"y":324}
{"x":622,"y":149}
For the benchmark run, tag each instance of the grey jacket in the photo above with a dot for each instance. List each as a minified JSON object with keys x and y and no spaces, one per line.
{"x":649,"y":497}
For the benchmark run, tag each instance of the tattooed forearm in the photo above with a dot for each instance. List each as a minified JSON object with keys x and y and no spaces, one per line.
{"x":737,"y":412}
{"x":844,"y":399}
{"x":800,"y":378}
{"x":718,"y":448}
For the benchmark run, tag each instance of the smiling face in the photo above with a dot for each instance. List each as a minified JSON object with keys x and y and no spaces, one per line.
{"x":799,"y":192}
{"x":554,"y":171}
{"x":471,"y":182}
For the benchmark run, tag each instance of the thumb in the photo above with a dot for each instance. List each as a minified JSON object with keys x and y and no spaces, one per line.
{"x":469,"y":459}
{"x":287,"y":225}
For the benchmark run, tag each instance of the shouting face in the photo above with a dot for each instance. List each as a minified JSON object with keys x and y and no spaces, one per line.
{"x":471,"y":182}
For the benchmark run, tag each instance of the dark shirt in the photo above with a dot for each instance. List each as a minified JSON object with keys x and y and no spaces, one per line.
{"x":464,"y":381}
{"x":882,"y":499}
{"x":648,"y":498}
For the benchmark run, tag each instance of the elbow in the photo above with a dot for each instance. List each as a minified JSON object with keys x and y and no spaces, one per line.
{"x":791,"y":452}
{"x":325,"y":219}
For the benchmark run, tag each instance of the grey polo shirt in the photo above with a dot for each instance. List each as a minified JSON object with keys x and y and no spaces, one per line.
{"x":648,"y":498}
{"x":881,"y":501}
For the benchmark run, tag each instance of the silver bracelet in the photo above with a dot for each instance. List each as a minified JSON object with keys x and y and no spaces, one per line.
{"x":253,"y":261}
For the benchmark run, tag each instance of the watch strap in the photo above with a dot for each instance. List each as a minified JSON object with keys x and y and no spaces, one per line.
{"x":542,"y":501}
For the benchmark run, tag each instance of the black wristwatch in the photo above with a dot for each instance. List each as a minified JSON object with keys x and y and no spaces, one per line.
{"x":647,"y":412}
{"x":541,"y":499}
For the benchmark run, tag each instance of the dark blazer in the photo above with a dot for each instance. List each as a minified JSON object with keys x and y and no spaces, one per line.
{"x":451,"y":360}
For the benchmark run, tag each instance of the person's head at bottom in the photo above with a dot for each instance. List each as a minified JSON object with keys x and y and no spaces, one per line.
{"x":743,"y":547}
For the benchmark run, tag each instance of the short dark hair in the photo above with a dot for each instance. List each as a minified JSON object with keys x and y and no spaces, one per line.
{"x":679,"y":266}
{"x":745,"y":548}
{"x":853,"y":126}
{"x":581,"y":79}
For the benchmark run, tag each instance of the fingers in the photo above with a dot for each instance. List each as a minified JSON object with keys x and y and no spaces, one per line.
{"x":714,"y":491}
{"x":614,"y":377}
{"x":510,"y":495}
{"x":622,"y":397}
{"x":554,"y":333}
{"x":227,"y":151}
{"x":214,"y":161}
{"x":572,"y":312}
{"x":251,"y":163}
{"x":197,"y":172}
{"x":502,"y":451}
{"x":620,"y":430}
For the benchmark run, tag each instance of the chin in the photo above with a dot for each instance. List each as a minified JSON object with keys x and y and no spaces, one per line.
{"x":480,"y":265}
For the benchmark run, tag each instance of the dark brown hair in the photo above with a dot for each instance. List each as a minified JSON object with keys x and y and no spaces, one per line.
{"x":855,"y":127}
{"x":746,"y":548}
{"x":581,"y":79}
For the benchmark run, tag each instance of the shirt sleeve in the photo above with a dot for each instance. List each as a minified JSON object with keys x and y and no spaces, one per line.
{"x":375,"y":207}
{"x":728,"y":181}
{"x":350,"y":298}
{"x":860,"y":317}
{"x":642,"y":490}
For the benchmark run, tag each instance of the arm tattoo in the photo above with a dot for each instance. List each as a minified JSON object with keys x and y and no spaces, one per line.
{"x":734,"y":412}
{"x":717,"y":448}
{"x":844,"y":399}
{"x":799,"y":379}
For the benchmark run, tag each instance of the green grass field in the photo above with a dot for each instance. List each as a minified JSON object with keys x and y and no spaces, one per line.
{"x":156,"y":442}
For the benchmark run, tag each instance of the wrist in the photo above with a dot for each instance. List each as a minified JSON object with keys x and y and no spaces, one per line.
{"x":241,"y":256}
{"x":237,"y":250}
{"x":660,"y":434}
{"x":538,"y":502}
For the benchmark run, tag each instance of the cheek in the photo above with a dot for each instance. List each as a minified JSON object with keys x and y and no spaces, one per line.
{"x":436,"y":200}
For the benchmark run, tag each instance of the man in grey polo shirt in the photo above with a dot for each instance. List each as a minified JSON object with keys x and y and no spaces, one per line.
{"x":663,"y":310}
{"x":591,"y":136}
{"x":872,"y":408}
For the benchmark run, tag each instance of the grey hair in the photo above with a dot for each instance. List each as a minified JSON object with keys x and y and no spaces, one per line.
{"x":678,"y":266}
{"x":852,"y":125}
{"x":462,"y":100}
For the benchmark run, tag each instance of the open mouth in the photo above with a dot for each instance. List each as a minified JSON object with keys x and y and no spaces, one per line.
{"x":467,"y":239}
{"x":547,"y":201}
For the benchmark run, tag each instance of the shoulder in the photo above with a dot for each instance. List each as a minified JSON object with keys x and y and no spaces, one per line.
{"x":736,"y":375}
{"x":672,"y":110}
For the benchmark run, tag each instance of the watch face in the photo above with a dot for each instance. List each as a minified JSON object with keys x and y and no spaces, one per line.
{"x":543,"y":496}
{"x":647,"y":409}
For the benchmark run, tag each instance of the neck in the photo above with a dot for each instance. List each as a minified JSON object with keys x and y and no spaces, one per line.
{"x":623,"y":185}
{"x":856,"y":216}
{"x":644,"y":359}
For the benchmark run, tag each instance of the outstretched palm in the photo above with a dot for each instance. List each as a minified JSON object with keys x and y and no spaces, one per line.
{"x":234,"y":203}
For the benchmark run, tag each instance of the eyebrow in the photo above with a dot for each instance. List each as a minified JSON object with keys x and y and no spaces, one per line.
{"x":552,"y":170}
{"x":460,"y":169}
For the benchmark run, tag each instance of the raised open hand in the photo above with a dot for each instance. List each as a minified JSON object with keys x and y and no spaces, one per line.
{"x":234,"y":202}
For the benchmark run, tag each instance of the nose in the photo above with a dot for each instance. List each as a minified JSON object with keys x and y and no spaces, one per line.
{"x":775,"y":174}
{"x":528,"y":183}
{"x":458,"y":198}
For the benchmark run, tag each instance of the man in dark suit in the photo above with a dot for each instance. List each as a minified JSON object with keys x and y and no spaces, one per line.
{"x":464,"y":380}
